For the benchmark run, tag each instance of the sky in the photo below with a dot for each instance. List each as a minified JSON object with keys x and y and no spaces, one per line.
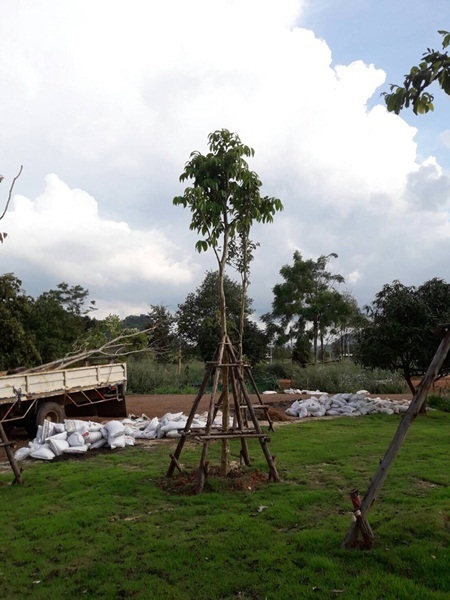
{"x":104,"y":100}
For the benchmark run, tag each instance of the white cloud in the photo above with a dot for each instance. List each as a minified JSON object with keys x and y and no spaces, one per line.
{"x":62,"y":234}
{"x":353,"y":277}
{"x":113,"y":98}
{"x":428,"y":188}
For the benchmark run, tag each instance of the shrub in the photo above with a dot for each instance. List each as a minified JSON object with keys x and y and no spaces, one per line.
{"x":439,"y":402}
{"x":278,"y":369}
{"x":145,"y":376}
{"x":266,"y":376}
{"x":347,"y":377}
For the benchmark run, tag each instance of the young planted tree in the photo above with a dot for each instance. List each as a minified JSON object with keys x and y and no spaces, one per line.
{"x":240,"y":257}
{"x":225,"y":201}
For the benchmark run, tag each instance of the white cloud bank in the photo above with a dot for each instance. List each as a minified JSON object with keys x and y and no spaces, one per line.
{"x":62,"y":235}
{"x":114,"y":97}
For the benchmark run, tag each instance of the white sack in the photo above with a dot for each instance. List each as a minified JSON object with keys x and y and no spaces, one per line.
{"x":58,"y":446}
{"x":58,"y":436}
{"x":76,"y":450}
{"x":101,"y":442}
{"x":22,"y":453}
{"x":114,"y":429}
{"x":303,"y":413}
{"x":76,"y":439}
{"x":153,"y":424}
{"x":48,"y":429}
{"x":73,"y":425}
{"x":291,"y":412}
{"x":174,"y":425}
{"x":117,"y":442}
{"x":93,"y":436}
{"x":173,"y":434}
{"x":43,"y":452}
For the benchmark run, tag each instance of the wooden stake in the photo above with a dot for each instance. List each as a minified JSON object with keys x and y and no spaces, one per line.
{"x":9,"y":453}
{"x":418,"y":400}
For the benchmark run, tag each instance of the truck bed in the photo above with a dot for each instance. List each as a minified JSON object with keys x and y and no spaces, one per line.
{"x":53,"y":383}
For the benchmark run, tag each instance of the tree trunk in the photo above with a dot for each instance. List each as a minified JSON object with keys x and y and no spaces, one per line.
{"x":225,"y":456}
{"x":315,"y":335}
{"x":412,"y":389}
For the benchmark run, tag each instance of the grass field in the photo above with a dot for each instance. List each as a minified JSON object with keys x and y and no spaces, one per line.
{"x":103,"y":526}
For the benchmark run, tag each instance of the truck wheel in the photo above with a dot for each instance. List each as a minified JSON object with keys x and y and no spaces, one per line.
{"x":51,"y":411}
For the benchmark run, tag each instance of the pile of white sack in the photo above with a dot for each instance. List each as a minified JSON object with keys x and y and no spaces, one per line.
{"x":345,"y":405}
{"x":75,"y":436}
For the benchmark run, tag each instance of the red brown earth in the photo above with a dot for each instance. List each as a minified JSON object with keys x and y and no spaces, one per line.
{"x":159,"y":405}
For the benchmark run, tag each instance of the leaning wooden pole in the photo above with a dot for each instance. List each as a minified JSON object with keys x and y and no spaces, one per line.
{"x":360,"y":524}
{"x":5,"y":443}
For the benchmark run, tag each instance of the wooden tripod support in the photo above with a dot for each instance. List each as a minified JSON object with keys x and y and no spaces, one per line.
{"x":226,"y":365}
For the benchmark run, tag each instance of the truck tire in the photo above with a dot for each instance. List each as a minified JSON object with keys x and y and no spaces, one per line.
{"x":48,"y":410}
{"x":51,"y":411}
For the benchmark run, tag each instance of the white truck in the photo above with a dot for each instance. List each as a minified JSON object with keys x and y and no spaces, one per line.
{"x":29,"y":398}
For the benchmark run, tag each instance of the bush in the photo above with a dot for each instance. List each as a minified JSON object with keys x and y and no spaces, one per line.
{"x":145,"y":376}
{"x":266,"y":376}
{"x":347,"y":377}
{"x":278,"y":369}
{"x":439,"y":402}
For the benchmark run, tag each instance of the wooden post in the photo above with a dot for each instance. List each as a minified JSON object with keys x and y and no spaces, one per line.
{"x":9,"y":453}
{"x":419,"y":398}
{"x":179,"y":361}
{"x":182,"y":440}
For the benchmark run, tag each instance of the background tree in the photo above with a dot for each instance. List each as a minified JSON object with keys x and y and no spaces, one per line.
{"x":73,"y":298}
{"x":198,"y":322}
{"x":135,"y":322}
{"x":399,"y":334}
{"x":17,"y":348}
{"x":54,"y":330}
{"x":114,"y":338}
{"x":163,"y":325}
{"x":351,"y":320}
{"x":59,"y":320}
{"x":306,"y":296}
{"x":434,"y":67}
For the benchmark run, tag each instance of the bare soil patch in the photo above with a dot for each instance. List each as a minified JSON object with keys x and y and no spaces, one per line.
{"x":159,"y":405}
{"x":238,"y":479}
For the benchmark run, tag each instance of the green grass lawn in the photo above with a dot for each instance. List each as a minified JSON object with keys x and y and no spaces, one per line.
{"x":103,"y":527}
